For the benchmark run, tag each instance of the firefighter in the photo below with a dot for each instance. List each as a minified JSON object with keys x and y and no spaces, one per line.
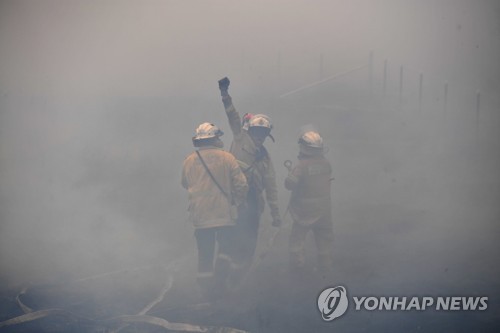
{"x":216,"y":186}
{"x":247,"y":146}
{"x":310,"y":202}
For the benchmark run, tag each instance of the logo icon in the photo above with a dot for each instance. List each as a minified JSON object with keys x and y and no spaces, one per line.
{"x":332,"y":303}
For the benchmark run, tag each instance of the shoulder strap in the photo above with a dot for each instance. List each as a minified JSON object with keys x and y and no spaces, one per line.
{"x":211,"y":175}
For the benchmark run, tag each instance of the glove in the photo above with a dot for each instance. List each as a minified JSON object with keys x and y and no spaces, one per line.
{"x":276,"y":221}
{"x":224,"y":86}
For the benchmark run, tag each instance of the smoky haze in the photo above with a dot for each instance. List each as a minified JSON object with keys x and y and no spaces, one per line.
{"x":99,"y":101}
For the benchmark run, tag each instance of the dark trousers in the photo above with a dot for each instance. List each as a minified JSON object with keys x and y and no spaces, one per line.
{"x":246,"y":231}
{"x":206,"y":239}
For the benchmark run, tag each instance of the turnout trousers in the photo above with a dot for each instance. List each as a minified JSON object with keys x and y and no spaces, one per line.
{"x":246,"y":231}
{"x":323,"y":236}
{"x":213,"y":268}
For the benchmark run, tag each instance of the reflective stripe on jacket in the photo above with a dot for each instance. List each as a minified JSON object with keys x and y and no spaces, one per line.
{"x":208,"y":206}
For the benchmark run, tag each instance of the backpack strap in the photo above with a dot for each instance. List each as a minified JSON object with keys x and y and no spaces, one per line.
{"x":211,"y":175}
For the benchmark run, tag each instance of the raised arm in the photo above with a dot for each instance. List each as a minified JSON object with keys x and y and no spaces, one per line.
{"x":232,"y":115}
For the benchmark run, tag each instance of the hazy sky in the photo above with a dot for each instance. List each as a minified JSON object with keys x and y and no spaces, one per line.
{"x":178,"y":47}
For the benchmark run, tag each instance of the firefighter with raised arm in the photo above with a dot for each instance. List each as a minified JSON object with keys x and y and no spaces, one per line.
{"x":247,"y":146}
{"x":216,"y":186}
{"x":310,"y":202}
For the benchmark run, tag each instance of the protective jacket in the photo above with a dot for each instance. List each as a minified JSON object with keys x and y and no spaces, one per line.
{"x":309,"y":182}
{"x":255,"y":162}
{"x":208,"y":206}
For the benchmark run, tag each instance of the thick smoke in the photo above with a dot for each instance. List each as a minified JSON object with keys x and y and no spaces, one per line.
{"x":99,"y":100}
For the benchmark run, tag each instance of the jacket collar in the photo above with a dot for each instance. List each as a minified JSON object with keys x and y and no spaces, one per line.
{"x":210,"y":147}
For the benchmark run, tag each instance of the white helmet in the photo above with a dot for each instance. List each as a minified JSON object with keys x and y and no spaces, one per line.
{"x":311,"y":139}
{"x":260,"y":120}
{"x":207,"y":131}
